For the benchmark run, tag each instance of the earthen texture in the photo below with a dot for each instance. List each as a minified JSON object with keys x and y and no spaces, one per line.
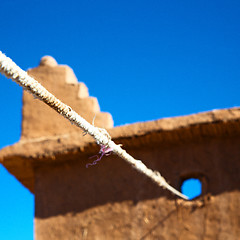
{"x":111,"y":200}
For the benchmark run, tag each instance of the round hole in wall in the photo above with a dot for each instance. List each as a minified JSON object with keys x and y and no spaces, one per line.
{"x":191,"y":187}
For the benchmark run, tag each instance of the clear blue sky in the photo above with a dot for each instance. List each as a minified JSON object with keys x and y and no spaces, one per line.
{"x":143,"y":60}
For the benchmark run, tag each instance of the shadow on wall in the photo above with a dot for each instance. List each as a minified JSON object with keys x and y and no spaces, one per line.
{"x":71,"y":188}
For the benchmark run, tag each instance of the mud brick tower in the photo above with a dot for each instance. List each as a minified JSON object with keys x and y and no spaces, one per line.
{"x":111,"y":200}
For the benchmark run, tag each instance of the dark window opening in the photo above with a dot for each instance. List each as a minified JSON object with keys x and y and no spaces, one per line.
{"x":191,"y":187}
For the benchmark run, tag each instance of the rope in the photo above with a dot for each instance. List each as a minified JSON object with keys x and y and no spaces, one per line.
{"x":11,"y":70}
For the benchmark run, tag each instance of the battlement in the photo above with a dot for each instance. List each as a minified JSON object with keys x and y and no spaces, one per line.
{"x":39,"y":120}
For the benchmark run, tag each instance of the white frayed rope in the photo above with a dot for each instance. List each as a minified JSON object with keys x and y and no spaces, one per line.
{"x":11,"y":70}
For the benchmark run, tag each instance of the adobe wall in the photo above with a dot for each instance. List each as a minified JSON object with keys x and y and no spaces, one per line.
{"x":112,"y":201}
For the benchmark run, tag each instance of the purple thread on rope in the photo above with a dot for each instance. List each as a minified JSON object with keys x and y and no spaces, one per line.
{"x":103,"y":151}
